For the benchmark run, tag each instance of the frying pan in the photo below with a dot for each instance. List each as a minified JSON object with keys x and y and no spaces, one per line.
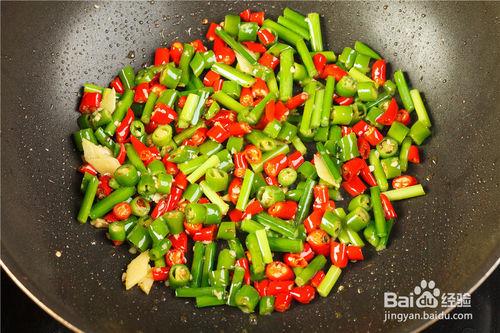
{"x":450,"y":236}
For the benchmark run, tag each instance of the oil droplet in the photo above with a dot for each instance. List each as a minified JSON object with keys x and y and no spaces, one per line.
{"x":131,"y":55}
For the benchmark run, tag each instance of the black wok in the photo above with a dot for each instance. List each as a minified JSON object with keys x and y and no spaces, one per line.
{"x":450,"y":236}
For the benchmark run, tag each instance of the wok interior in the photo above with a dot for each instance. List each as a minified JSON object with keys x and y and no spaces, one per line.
{"x":447,"y":52}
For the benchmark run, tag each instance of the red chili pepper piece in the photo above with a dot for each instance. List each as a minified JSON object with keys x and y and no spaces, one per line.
{"x":308,"y":253}
{"x":219,"y":44}
{"x":162,"y":56}
{"x":364,"y":147}
{"x":281,"y":112}
{"x":279,"y":271}
{"x":246,"y":98}
{"x":319,"y":61}
{"x":266,"y":37}
{"x":111,"y":217}
{"x":122,"y":154}
{"x":218,"y":133}
{"x":236,"y":215}
{"x":295,"y":159}
{"x":245,"y":15}
{"x":304,"y":294}
{"x":317,"y":278}
{"x":181,"y":101}
{"x":403,"y":117}
{"x":179,"y":241}
{"x":210,"y":78}
{"x":160,"y":273}
{"x":180,"y":181}
{"x":243,"y":262}
{"x":321,"y":194}
{"x":88,"y":169}
{"x":333,"y":70}
{"x":190,"y":228}
{"x":277,"y":287}
{"x":268,"y":60}
{"x":207,"y":234}
{"x":90,"y":102}
{"x":354,"y":186}
{"x":254,"y":208}
{"x":414,"y":155}
{"x":175,"y":257}
{"x":313,"y":221}
{"x":275,"y":165}
{"x":282,"y":302}
{"x":239,"y":129}
{"x":259,"y":88}
{"x":269,"y":112}
{"x":173,"y":199}
{"x":257,"y":17}
{"x":141,"y":93}
{"x":389,"y":116}
{"x":146,"y":154}
{"x":103,"y":189}
{"x":234,"y":190}
{"x":117,"y":85}
{"x":343,"y":100}
{"x":379,"y":71}
{"x":255,"y":47}
{"x":367,"y":176}
{"x":294,"y":260}
{"x":354,"y":252}
{"x":284,"y":210}
{"x":271,"y":181}
{"x":297,"y":100}
{"x":211,"y":35}
{"x":252,"y":154}
{"x":352,"y":168}
{"x":404,"y":181}
{"x":176,"y":52}
{"x":123,"y":130}
{"x":389,"y":211}
{"x":157,"y":88}
{"x":338,"y":254}
{"x":198,"y":45}
{"x":160,"y":208}
{"x":163,"y":114}
{"x":151,"y":126}
{"x":360,"y":128}
{"x":170,"y":166}
{"x":198,"y":137}
{"x":240,"y":164}
{"x":346,"y":130}
{"x":319,"y":241}
{"x":261,"y":287}
{"x":373,"y":136}
{"x":223,"y":116}
{"x":225,"y":55}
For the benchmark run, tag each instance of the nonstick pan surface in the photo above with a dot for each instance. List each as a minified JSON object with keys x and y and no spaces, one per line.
{"x":450,"y":51}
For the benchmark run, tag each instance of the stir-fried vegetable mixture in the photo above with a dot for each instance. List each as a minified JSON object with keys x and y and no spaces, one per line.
{"x":237,"y":157}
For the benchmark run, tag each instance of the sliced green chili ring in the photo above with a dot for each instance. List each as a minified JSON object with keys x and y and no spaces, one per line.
{"x":362,"y":200}
{"x":357,"y":219}
{"x":179,"y":276}
{"x":217,"y":179}
{"x":174,"y":220}
{"x":387,"y":147}
{"x":269,"y":195}
{"x":140,"y":206}
{"x":287,"y":176}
